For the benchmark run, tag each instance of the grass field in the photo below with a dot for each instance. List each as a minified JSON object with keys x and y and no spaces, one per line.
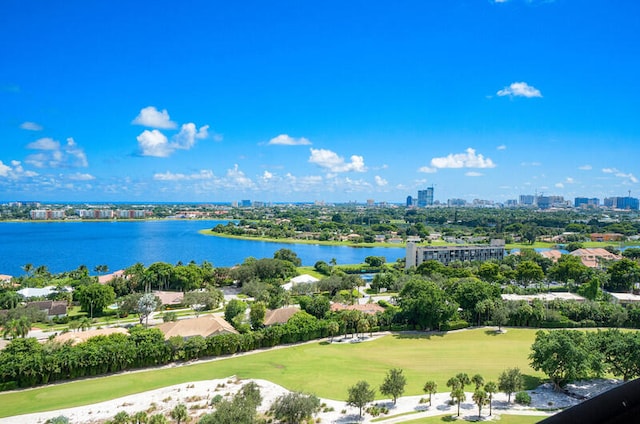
{"x":321,"y":368}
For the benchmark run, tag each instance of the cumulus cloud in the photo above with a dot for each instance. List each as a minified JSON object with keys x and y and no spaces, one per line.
{"x":380,"y":182}
{"x":188,"y":135}
{"x":286,"y":140}
{"x":609,"y":170}
{"x":31,"y":126}
{"x":4,"y":169}
{"x":52,"y":155}
{"x":559,"y":185}
{"x":468,"y":159}
{"x":520,"y":89}
{"x":15,"y":170}
{"x":154,"y":143}
{"x":330,"y":161}
{"x":45,"y":143}
{"x":501,"y":147}
{"x":152,"y":117}
{"x":585,"y":168}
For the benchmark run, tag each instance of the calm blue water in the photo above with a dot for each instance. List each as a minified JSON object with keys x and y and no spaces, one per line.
{"x":63,"y":246}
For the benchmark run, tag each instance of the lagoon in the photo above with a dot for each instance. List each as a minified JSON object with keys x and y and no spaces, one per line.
{"x":63,"y":246}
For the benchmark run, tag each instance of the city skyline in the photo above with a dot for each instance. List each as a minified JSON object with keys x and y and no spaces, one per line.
{"x":334,"y":102}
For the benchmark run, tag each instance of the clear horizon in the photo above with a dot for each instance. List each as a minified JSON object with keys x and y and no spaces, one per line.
{"x":319,"y":101}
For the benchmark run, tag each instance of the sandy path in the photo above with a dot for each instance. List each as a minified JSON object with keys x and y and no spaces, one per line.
{"x":197,"y":396}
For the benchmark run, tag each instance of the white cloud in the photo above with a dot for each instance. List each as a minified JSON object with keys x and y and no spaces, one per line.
{"x":188,"y":135}
{"x":81,"y":177}
{"x":45,"y":143}
{"x":502,"y":147}
{"x":585,"y":168}
{"x":204,"y":174}
{"x":610,"y":170}
{"x":154,"y":143}
{"x":520,"y":89}
{"x":31,"y":126}
{"x":427,"y":170}
{"x":468,"y":159}
{"x":333,"y":163}
{"x":473,"y":174}
{"x":570,"y":180}
{"x":151,"y":117}
{"x":559,"y":185}
{"x":629,"y":177}
{"x":266,"y":176}
{"x":15,"y":171}
{"x":380,"y":182}
{"x":286,"y":140}
{"x":52,"y":155}
{"x":530,"y":164}
{"x":4,"y":170}
{"x":238,"y":179}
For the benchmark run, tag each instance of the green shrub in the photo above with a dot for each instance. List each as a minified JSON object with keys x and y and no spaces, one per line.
{"x":454,"y":325}
{"x":523,"y":398}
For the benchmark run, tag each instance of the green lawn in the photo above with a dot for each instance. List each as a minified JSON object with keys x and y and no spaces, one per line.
{"x":504,"y":419}
{"x":326,"y":370}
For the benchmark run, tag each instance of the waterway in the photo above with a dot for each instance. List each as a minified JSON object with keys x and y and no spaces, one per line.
{"x":63,"y":246}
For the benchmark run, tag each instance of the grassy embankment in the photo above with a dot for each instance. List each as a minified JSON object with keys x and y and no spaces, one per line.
{"x":324,"y":369}
{"x":536,"y":245}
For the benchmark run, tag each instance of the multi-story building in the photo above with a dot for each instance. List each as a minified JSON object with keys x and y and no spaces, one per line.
{"x":425,"y":197}
{"x":585,"y":202}
{"x":446,"y":254}
{"x":46,"y":214}
{"x":527,"y":199}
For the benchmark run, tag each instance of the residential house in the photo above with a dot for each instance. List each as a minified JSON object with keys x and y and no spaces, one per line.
{"x":595,"y":257}
{"x":367,"y":308}
{"x":204,"y":325}
{"x":280,"y":315}
{"x":82,"y":336}
{"x":53,"y":308}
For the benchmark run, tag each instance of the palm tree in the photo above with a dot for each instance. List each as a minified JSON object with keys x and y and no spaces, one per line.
{"x":464,"y":379}
{"x":179,"y":413}
{"x":458,"y":395}
{"x":480,"y":398}
{"x":490,"y":388}
{"x":158,"y":419}
{"x":430,"y":387}
{"x":477,"y":380}
{"x":23,"y":326}
{"x":140,"y":418}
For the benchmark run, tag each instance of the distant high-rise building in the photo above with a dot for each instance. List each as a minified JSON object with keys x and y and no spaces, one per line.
{"x":627,"y":203}
{"x":527,"y":199}
{"x":586,"y":202}
{"x":457,"y":202}
{"x":409,"y":201}
{"x":425,"y":197}
{"x":245,"y":203}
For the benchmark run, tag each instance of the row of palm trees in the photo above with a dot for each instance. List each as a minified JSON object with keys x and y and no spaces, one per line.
{"x":482,"y":395}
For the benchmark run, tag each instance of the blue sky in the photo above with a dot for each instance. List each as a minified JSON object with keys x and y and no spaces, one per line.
{"x":215,"y":101}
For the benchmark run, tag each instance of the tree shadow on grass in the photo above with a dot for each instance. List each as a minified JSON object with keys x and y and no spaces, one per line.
{"x":530,"y":382}
{"x":495,"y":332}
{"x":423,"y":335}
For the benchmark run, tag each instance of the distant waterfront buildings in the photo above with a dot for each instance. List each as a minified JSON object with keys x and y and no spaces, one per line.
{"x":44,"y":214}
{"x":425,"y":197}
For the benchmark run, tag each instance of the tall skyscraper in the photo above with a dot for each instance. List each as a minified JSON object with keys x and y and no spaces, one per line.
{"x":425,"y":197}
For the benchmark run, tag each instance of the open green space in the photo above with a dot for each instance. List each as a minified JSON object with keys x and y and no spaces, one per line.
{"x":504,"y":419}
{"x":318,"y":367}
